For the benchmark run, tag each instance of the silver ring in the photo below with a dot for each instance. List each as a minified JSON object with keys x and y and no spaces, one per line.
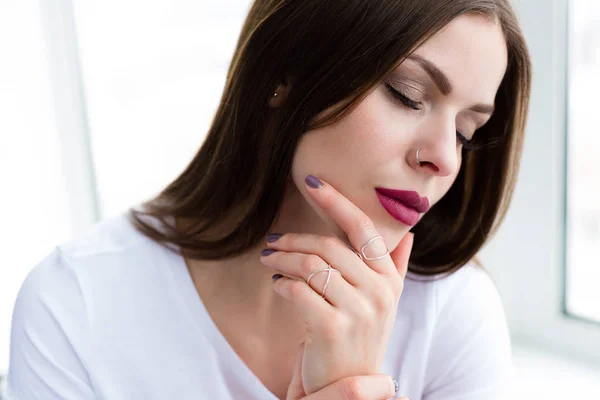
{"x":328,"y":278}
{"x":368,"y":243}
{"x":418,"y":162}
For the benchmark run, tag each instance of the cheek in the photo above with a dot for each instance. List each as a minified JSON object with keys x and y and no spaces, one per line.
{"x":377,"y":133}
{"x":357,"y":144}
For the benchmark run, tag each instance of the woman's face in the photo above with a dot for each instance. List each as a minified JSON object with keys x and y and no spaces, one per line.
{"x":446,"y":90}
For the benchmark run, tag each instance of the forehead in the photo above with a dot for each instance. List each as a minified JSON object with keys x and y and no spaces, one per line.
{"x":471,"y":51}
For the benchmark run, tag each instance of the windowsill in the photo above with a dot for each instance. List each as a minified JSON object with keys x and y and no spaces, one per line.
{"x":543,"y":375}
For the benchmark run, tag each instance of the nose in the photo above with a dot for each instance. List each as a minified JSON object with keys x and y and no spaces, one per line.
{"x":435,"y":151}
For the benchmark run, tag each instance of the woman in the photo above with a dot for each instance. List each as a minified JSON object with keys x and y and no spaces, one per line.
{"x":279,"y":264}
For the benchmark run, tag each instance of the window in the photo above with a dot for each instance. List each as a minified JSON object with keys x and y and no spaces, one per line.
{"x":583,"y":169}
{"x":33,"y":201}
{"x":137,"y":87}
{"x":153,"y":76}
{"x":534,"y":256}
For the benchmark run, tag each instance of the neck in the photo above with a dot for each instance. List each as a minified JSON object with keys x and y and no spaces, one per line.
{"x":244,"y":285}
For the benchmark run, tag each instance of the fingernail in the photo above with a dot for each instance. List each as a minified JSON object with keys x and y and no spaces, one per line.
{"x":267,"y":252}
{"x":396,"y":386}
{"x":277,"y":276}
{"x":273,"y":237}
{"x":313,"y":182}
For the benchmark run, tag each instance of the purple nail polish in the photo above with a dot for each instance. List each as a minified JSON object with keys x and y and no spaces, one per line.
{"x":277,"y":276}
{"x":313,"y":182}
{"x":267,"y":252}
{"x":273,"y":237}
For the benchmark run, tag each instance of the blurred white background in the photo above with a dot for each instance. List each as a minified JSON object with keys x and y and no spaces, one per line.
{"x":103,"y":103}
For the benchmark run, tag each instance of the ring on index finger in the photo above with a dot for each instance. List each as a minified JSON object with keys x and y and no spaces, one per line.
{"x":362,"y":250}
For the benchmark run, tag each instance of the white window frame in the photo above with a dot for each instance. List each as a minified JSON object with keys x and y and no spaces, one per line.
{"x":527,"y":256}
{"x":69,"y":104}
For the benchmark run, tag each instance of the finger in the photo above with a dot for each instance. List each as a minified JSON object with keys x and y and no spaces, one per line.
{"x":307,"y":302}
{"x":296,"y":388}
{"x":331,"y":249}
{"x":401,"y":254}
{"x":371,"y":387}
{"x":359,"y":228}
{"x":332,"y":284}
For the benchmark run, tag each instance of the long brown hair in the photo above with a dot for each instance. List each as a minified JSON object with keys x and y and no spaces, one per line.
{"x":336,"y":51}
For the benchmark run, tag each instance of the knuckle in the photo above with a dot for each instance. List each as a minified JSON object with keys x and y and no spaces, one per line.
{"x":364,"y":310}
{"x":398,"y":286}
{"x":364,"y":223}
{"x":310,"y":263}
{"x":331,"y":243}
{"x":353,"y":389}
{"x":295,"y":288}
{"x":371,"y":312}
{"x":334,"y":328}
{"x":383,"y":299}
{"x":290,"y":239}
{"x":328,"y":199}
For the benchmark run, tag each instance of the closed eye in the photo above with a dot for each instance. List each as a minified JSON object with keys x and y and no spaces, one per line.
{"x":417,"y":106}
{"x":408,"y":102}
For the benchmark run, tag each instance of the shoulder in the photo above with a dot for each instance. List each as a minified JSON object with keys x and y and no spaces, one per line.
{"x":115,"y":235}
{"x":51,"y":327}
{"x":459,"y":301}
{"x":456,"y":291}
{"x":470,"y":344}
{"x":109,"y":255}
{"x":470,"y":289}
{"x":104,"y":245}
{"x":50,"y":288}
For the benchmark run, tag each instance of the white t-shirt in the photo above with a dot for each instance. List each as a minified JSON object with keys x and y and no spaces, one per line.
{"x":115,"y":316}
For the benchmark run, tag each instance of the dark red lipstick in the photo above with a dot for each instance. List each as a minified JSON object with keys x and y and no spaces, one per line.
{"x":404,"y":205}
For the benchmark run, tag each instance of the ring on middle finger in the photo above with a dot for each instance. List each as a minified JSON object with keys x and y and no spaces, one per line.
{"x":328,"y":270}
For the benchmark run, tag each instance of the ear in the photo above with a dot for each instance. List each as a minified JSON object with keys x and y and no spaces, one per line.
{"x":280,"y":94}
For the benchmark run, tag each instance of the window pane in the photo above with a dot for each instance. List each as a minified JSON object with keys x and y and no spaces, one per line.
{"x":583,"y":169}
{"x":33,"y":202}
{"x":153,"y":75}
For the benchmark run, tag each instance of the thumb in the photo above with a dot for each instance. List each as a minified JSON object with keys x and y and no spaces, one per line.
{"x":401,"y":253}
{"x":296,"y":388}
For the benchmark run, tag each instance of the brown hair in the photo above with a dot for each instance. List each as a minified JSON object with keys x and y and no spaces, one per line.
{"x":336,"y":51}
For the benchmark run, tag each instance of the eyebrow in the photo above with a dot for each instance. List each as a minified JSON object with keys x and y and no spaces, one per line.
{"x":443,"y":83}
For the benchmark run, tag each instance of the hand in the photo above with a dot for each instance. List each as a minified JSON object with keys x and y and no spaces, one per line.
{"x":371,"y":387}
{"x":347,"y":332}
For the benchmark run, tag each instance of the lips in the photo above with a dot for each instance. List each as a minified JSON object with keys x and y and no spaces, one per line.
{"x":409,"y":198}
{"x":403,"y":205}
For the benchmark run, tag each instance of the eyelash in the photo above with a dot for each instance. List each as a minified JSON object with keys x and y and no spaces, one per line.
{"x":407,"y":102}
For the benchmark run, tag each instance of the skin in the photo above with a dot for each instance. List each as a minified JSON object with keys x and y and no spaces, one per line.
{"x":374,"y":146}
